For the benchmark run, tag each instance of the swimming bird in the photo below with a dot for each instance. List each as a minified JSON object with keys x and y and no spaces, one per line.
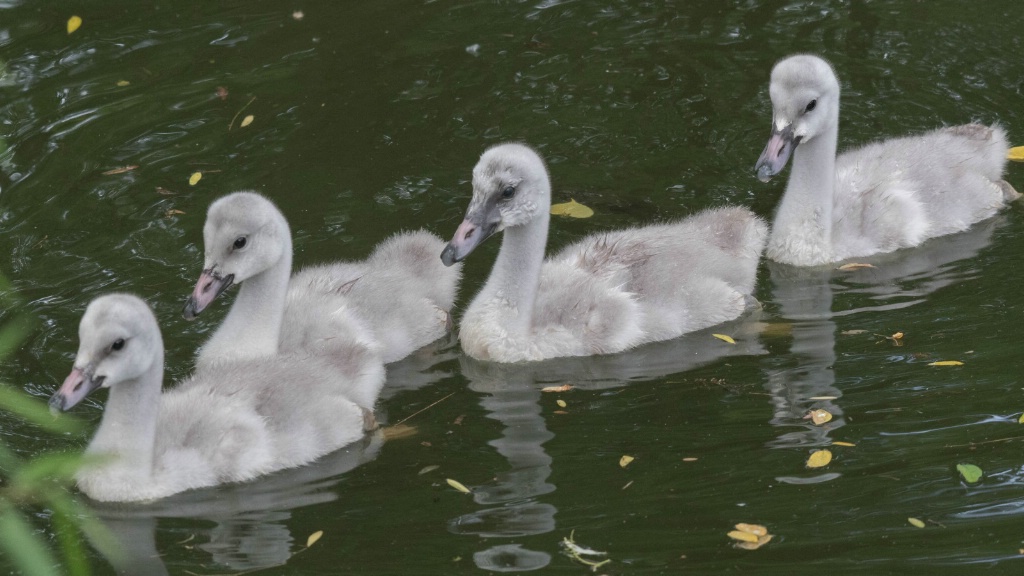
{"x":230,"y":423}
{"x":605,"y":293}
{"x":397,"y":300}
{"x":887,"y":195}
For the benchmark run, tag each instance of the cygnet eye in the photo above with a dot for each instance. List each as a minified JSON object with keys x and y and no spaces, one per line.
{"x":508,"y":192}
{"x":118,"y":344}
{"x":240,"y":242}
{"x":811,"y":105}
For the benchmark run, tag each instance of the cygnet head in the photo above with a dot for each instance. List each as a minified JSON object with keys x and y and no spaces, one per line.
{"x":805,"y":103}
{"x":510,"y":188}
{"x":245,"y":234}
{"x":119,"y":341}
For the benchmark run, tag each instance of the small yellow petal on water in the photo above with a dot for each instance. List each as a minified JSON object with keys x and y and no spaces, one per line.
{"x":761,"y":541}
{"x":823,"y":397}
{"x":947,"y":363}
{"x":915,"y":522}
{"x":313,"y":538}
{"x":819,"y":459}
{"x":572,"y":209}
{"x":820,"y":416}
{"x":562,"y":388}
{"x":73,"y":23}
{"x":689,"y":459}
{"x":625,"y":460}
{"x":855,"y":266}
{"x":123,"y":83}
{"x":195,"y":178}
{"x":724,"y":338}
{"x":247,"y":120}
{"x":1016,"y":154}
{"x":1021,"y":419}
{"x":843,"y":444}
{"x":458,"y":486}
{"x":755,"y":529}
{"x":561,"y":403}
{"x":897,"y":336}
{"x":742,"y":536}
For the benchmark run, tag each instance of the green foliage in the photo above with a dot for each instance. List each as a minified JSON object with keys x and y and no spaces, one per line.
{"x":39,"y":482}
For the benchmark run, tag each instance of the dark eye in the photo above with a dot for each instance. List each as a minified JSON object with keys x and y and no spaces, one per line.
{"x":239,"y":242}
{"x":118,"y":344}
{"x":508,"y":192}
{"x":811,"y":105}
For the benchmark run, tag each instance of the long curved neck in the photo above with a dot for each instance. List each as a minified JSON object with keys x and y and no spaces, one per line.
{"x":516,"y":273}
{"x":803,"y":223}
{"x":127,"y":433}
{"x":253,"y":325}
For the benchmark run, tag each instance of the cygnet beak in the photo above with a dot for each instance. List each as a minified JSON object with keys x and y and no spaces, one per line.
{"x":76,"y":386}
{"x":780,"y":147}
{"x":210,"y":285}
{"x":467,"y":237}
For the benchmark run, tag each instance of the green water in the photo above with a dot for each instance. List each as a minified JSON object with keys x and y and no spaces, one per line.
{"x":368,"y":117}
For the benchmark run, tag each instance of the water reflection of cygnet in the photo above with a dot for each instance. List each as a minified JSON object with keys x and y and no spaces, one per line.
{"x":804,"y":298}
{"x":512,"y":505}
{"x":249,"y":531}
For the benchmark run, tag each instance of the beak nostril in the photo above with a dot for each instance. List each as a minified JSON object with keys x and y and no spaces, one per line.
{"x":470,"y":232}
{"x":79,"y":385}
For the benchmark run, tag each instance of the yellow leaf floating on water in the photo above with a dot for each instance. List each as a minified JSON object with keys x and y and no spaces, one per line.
{"x":1016,"y":154}
{"x":819,"y":459}
{"x":947,"y":363}
{"x":915,"y":522}
{"x":742,"y":536}
{"x":761,"y":541}
{"x":724,"y":338}
{"x":247,"y":120}
{"x":195,"y":178}
{"x":1021,"y":419}
{"x":572,"y":209}
{"x":750,"y":536}
{"x":819,"y":416}
{"x":458,"y":486}
{"x":823,"y":398}
{"x":313,"y":538}
{"x":755,"y":529}
{"x":561,"y":403}
{"x":123,"y":83}
{"x":855,"y":266}
{"x":625,"y":460}
{"x":562,"y":388}
{"x":843,"y":444}
{"x":74,"y":23}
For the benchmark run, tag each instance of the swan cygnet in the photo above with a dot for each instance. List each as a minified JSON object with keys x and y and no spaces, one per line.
{"x":397,"y":300}
{"x":607,"y":292}
{"x":231,"y":423}
{"x":885,"y":196}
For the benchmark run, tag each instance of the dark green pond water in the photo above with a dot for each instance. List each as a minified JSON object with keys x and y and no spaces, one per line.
{"x":369,"y":116}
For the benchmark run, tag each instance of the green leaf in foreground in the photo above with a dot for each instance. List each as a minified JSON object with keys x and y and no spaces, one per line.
{"x":27,"y":551}
{"x":970,"y":472}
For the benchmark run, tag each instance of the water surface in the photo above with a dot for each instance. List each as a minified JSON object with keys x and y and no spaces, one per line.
{"x":368,"y":117}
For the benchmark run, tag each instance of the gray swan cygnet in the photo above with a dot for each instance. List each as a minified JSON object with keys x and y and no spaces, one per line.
{"x":397,"y":300}
{"x":606,"y":293}
{"x":230,"y":423}
{"x":879,"y":198}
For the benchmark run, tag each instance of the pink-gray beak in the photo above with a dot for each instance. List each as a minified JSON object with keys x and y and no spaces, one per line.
{"x":76,"y":386}
{"x":467,"y":237}
{"x":775,"y":155}
{"x":210,"y":285}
